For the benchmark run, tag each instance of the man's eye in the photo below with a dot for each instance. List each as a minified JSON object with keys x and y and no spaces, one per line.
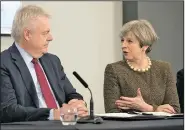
{"x":122,"y":40}
{"x":45,"y":33}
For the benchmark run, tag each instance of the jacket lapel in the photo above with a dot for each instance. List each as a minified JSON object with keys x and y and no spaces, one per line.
{"x":26,"y":76}
{"x":50,"y":73}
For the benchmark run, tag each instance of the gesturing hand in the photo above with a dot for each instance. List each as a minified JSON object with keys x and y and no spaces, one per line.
{"x":134,"y":103}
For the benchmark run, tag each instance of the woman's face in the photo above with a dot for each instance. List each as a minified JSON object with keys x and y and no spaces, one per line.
{"x":131,"y":47}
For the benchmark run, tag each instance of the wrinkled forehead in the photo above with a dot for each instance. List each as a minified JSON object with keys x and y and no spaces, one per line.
{"x":40,"y":22}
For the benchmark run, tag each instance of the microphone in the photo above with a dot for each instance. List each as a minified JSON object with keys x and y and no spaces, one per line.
{"x":91,"y":118}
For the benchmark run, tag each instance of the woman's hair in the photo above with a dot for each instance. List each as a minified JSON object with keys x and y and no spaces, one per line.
{"x":143,"y":31}
{"x":22,"y":19}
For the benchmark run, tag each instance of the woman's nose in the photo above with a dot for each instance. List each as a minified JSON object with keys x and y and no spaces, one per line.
{"x":124,"y":44}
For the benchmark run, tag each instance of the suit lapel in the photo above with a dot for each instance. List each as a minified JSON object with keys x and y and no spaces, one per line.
{"x":50,"y":73}
{"x":26,"y":76}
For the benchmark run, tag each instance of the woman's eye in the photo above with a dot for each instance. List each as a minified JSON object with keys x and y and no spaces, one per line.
{"x":122,"y":40}
{"x":129,"y":41}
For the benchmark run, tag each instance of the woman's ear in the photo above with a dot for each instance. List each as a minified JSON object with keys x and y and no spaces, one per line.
{"x":144,"y":48}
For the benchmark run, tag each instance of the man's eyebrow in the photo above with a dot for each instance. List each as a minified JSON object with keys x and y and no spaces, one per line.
{"x":47,"y":31}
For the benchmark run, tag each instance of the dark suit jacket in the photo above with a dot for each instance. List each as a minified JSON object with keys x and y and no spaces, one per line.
{"x":180,"y":88}
{"x":19,"y":101}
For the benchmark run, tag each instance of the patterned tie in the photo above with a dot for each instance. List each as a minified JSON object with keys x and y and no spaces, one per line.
{"x":49,"y":99}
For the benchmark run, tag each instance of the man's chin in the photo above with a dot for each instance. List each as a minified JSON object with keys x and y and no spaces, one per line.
{"x":45,"y":51}
{"x":41,"y":54}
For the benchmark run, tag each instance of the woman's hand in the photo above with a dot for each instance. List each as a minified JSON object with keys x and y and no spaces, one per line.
{"x":165,"y":108}
{"x":134,"y":103}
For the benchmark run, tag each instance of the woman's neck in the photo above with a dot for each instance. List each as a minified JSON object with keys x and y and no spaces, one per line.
{"x":142,"y":64}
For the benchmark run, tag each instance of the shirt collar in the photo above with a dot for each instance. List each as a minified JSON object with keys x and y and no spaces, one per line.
{"x":26,"y":56}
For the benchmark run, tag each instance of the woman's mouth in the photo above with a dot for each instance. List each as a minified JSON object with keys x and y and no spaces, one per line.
{"x":125,"y":52}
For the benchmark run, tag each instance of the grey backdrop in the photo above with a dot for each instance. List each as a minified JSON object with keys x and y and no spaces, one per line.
{"x":167,"y":19}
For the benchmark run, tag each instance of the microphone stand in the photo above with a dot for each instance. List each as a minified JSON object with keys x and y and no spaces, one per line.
{"x":91,"y":118}
{"x":91,"y":105}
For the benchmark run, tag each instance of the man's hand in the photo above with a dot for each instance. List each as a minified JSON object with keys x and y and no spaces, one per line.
{"x":56,"y":114}
{"x":134,"y":103}
{"x":165,"y":108}
{"x":80,"y":105}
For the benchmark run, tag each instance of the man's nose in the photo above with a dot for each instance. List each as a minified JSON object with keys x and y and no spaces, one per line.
{"x":50,"y":38}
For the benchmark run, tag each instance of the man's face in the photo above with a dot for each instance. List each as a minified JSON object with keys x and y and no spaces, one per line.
{"x":38,"y":37}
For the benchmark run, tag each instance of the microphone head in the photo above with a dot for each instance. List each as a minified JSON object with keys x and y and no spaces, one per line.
{"x":74,"y":73}
{"x":80,"y":79}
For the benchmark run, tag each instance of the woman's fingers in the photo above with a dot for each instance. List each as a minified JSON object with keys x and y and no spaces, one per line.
{"x":124,"y":108}
{"x":167,"y":110}
{"x":172,"y":111}
{"x":123,"y":103}
{"x":126,"y":99}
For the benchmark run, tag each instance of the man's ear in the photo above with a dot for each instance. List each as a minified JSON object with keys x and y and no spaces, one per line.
{"x":26,"y":34}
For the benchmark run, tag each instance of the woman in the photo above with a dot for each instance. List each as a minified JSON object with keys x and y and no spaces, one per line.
{"x":139,"y":83}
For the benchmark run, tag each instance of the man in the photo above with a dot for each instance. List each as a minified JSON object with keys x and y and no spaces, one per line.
{"x":33,"y":83}
{"x":180,"y":88}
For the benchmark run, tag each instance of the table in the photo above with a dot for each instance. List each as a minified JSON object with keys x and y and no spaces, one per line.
{"x":165,"y":124}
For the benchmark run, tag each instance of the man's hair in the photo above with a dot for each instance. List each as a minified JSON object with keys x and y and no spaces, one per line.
{"x":22,"y":19}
